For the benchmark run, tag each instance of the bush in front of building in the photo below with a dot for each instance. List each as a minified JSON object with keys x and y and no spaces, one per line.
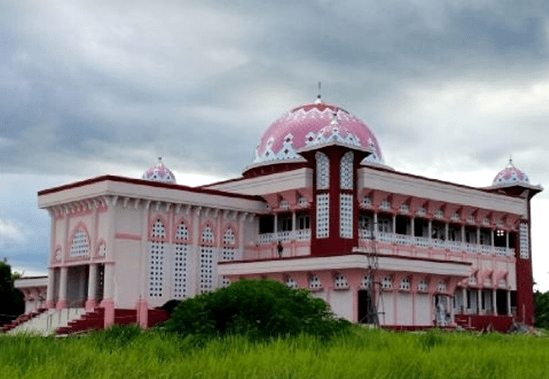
{"x":259,"y":309}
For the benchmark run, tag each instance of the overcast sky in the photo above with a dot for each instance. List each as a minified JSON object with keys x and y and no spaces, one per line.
{"x":450,"y":88}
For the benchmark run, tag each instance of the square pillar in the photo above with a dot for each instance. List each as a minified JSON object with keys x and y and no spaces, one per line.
{"x":62,"y":298}
{"x":92,"y":287}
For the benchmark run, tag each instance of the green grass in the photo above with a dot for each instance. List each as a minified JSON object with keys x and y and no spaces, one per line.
{"x":129,"y":353}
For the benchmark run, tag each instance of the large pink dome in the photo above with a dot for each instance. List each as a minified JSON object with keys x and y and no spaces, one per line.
{"x":301,"y":125}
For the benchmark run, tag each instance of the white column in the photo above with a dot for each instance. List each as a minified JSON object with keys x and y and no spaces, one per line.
{"x":479,"y":301}
{"x":478,"y":235}
{"x":494,"y":302}
{"x":462,"y":233}
{"x":446,"y":231}
{"x":506,"y":239}
{"x":92,"y":286}
{"x":62,"y":298}
{"x":194,"y":255}
{"x":430,"y":228}
{"x":509,"y":313}
{"x":412,"y":226}
{"x":275,"y":228}
{"x":464,"y":300}
{"x":376,"y":226}
{"x":394,"y":224}
{"x":50,"y":295}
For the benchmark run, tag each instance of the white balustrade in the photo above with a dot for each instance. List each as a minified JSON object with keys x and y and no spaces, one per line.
{"x":302,"y":234}
{"x":266,"y":238}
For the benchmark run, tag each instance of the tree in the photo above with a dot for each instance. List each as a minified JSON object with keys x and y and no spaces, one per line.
{"x":259,"y":309}
{"x":11,"y":299}
{"x":542,"y":309}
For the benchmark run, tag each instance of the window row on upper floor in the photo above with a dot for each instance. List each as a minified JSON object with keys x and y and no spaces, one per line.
{"x":207,"y":234}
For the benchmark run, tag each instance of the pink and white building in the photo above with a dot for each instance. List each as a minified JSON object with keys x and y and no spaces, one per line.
{"x":318,"y":208}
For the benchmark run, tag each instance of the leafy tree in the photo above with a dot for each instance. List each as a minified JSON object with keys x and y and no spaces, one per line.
{"x":542,"y":309}
{"x":259,"y":309}
{"x":11,"y":299}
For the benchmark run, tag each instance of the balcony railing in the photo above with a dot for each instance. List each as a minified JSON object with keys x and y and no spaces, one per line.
{"x":424,"y":242}
{"x":284,"y":236}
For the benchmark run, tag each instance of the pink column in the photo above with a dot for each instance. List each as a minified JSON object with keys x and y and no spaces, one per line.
{"x":92,"y":290}
{"x":62,"y":301}
{"x":50,"y":303}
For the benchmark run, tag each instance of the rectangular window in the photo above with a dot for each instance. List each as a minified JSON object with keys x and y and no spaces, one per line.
{"x":345,"y":215}
{"x":322,"y":216}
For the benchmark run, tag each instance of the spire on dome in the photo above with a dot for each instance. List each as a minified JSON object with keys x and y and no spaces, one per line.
{"x":319,"y":97}
{"x":159,"y":173}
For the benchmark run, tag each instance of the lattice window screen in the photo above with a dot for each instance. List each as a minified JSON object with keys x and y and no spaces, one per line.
{"x":340,"y":282}
{"x":366,"y":282}
{"x":322,"y":216}
{"x":180,"y":271}
{"x":158,"y":229}
{"x":206,"y":269}
{"x":346,"y":215}
{"x":291,"y":282}
{"x":322,"y":171}
{"x":80,"y":246}
{"x":346,"y":171}
{"x":314,"y":282}
{"x":228,"y":237}
{"x":156,"y":269}
{"x":524,"y":248}
{"x":227,"y":254}
{"x":207,"y":235}
{"x":182,"y":233}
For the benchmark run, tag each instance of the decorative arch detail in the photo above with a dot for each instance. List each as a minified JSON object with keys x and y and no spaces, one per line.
{"x":79,"y":245}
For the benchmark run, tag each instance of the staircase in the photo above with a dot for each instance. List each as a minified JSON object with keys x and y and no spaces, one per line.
{"x":21,"y":319}
{"x":90,"y":320}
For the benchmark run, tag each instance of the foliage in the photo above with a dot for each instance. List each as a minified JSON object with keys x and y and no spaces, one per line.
{"x":259,"y":309}
{"x":542,"y":309}
{"x":360,"y":353}
{"x":11,"y":299}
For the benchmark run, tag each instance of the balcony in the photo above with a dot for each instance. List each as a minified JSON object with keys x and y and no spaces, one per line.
{"x":284,"y":236}
{"x":424,"y":242}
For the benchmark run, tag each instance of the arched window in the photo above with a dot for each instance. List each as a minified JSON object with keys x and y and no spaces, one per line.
{"x":80,"y":245}
{"x":322,"y":171}
{"x":156,"y":260}
{"x":158,"y":230}
{"x":182,"y":233}
{"x":228,"y":237}
{"x":207,"y":235}
{"x":346,"y":171}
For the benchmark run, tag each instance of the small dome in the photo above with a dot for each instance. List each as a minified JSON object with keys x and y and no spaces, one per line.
{"x":313,"y":123}
{"x":159,"y":173}
{"x":510,"y":175}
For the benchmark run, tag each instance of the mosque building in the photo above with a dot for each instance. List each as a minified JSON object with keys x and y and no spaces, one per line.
{"x":318,"y":208}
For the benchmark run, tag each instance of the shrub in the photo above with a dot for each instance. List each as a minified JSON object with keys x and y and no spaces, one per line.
{"x":259,"y":309}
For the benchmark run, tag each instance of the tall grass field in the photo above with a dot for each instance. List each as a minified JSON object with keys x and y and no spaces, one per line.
{"x":128,"y":352}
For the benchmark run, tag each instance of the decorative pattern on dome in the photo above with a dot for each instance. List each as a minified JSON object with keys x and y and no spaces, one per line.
{"x":159,"y":173}
{"x":510,"y":175}
{"x":312,"y":124}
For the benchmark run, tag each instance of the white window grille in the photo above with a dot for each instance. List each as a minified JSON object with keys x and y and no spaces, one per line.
{"x":322,"y":216}
{"x":403,"y":208}
{"x":102,"y":251}
{"x":365,"y":222}
{"x":471,"y":219}
{"x":421,"y":211}
{"x":314,"y":282}
{"x":158,"y":230}
{"x":385,"y":204}
{"x":524,"y":245}
{"x":486,"y":221}
{"x":454,"y":217}
{"x":180,"y":271}
{"x":182,"y":233}
{"x":207,"y":235}
{"x":283,"y":204}
{"x":156,"y":269}
{"x":228,"y":237}
{"x":322,"y":171}
{"x":367,"y":202}
{"x":366,"y":282}
{"x":227,"y":254}
{"x":340,"y":282}
{"x":439,"y":213}
{"x":422,"y":286}
{"x":345,"y":215}
{"x":225,"y":282}
{"x":387,"y":282}
{"x":206,"y":269}
{"x":302,"y":202}
{"x":80,"y":245}
{"x":405,"y":284}
{"x":291,"y":282}
{"x":441,"y":287}
{"x":346,"y":171}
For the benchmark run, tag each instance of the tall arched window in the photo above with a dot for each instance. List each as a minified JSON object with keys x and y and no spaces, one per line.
{"x":180,"y":262}
{"x":206,"y":260}
{"x":156,"y":260}
{"x":80,"y":245}
{"x":322,"y":171}
{"x":346,"y":171}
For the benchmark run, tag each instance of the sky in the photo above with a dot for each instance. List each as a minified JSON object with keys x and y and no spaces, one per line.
{"x":451,"y":89}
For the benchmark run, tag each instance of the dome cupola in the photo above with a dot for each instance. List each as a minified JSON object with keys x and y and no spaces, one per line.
{"x":510,"y":175}
{"x":311,"y":124}
{"x":159,"y":173}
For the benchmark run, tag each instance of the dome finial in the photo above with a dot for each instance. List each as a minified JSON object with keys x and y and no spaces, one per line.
{"x":319,"y":96}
